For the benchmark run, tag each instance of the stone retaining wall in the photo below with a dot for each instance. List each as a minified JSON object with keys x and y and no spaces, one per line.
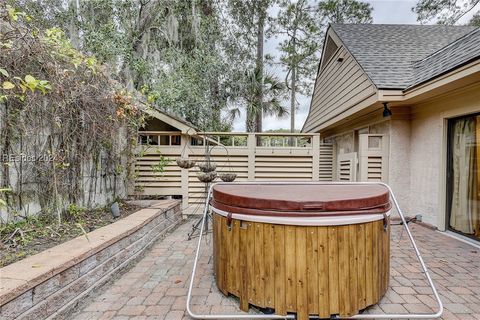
{"x":50,"y":284}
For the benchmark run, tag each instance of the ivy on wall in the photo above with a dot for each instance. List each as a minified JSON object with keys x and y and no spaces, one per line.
{"x":66,"y":127}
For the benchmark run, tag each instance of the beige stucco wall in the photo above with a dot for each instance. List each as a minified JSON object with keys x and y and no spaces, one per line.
{"x":425,"y":159}
{"x":380,"y":127}
{"x":417,"y":151}
{"x":428,"y":150}
{"x":399,"y":162}
{"x":344,"y":143}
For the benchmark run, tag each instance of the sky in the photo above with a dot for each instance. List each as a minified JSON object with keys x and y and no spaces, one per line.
{"x":384,"y":12}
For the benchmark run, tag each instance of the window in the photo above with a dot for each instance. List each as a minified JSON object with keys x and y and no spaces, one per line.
{"x":152,"y":139}
{"x":176,"y":140}
{"x":463,"y":176}
{"x":196,"y":141}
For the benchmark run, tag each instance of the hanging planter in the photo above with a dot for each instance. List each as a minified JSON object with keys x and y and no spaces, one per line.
{"x":185,"y":163}
{"x":207,"y":167}
{"x":228,"y":177}
{"x":207,"y":176}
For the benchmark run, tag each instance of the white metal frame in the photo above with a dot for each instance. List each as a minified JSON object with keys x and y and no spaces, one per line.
{"x":292,"y":316}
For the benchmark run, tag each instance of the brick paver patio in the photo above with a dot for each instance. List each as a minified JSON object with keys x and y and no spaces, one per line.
{"x":156,"y":287}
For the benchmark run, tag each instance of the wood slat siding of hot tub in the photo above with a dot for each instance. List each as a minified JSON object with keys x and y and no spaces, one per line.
{"x":273,"y":266}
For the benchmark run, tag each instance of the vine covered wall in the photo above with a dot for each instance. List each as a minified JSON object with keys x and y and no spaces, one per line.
{"x":66,"y":128}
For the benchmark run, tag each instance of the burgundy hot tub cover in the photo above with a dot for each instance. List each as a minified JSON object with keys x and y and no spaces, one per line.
{"x":309,"y":200}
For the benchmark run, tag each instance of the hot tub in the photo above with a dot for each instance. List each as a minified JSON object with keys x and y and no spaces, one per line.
{"x":308,"y":249}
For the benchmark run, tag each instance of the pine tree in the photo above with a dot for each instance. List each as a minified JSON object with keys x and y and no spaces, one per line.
{"x":447,"y":12}
{"x":296,"y":22}
{"x":303,"y":23}
{"x":252,"y":17}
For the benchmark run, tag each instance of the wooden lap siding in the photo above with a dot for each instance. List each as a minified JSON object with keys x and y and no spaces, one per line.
{"x":338,"y":87}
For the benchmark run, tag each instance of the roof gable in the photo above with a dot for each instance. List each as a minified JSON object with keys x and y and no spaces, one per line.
{"x":340,"y":84}
{"x":174,"y":121}
{"x":388,"y":53}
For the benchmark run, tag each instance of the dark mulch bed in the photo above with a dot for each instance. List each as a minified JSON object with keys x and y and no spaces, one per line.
{"x":35,"y":234}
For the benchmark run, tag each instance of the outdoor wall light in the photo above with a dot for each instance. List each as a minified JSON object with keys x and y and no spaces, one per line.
{"x":386,"y":111}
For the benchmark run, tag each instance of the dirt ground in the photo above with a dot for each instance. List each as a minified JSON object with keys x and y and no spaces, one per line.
{"x":35,"y":234}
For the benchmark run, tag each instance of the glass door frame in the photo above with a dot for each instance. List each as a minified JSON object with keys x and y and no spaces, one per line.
{"x":449,"y":175}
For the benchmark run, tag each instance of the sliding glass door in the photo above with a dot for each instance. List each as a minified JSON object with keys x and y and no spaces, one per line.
{"x":463,"y":176}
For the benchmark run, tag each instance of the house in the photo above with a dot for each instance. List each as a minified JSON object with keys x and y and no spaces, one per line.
{"x":401,"y":104}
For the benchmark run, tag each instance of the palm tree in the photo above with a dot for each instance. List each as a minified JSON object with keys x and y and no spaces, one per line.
{"x":273,"y":90}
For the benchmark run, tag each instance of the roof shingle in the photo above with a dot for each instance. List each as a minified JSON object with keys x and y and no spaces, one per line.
{"x":454,"y":55}
{"x":391,"y":55}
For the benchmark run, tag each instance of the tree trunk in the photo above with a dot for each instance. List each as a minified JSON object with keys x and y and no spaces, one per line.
{"x":217,"y":100}
{"x":216,"y":120}
{"x":259,"y":69}
{"x":147,"y":13}
{"x":292,"y":104}
{"x":293,"y":88}
{"x":5,"y":139}
{"x":72,"y":27}
{"x":250,"y":124}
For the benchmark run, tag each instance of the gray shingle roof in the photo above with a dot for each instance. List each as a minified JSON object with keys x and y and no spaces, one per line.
{"x":457,"y":53}
{"x":389,"y":54}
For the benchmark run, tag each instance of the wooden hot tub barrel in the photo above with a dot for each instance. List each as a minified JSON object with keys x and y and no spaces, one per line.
{"x":300,"y":259}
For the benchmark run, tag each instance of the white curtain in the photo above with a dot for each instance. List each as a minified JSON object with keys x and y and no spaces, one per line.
{"x":464,"y":214}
